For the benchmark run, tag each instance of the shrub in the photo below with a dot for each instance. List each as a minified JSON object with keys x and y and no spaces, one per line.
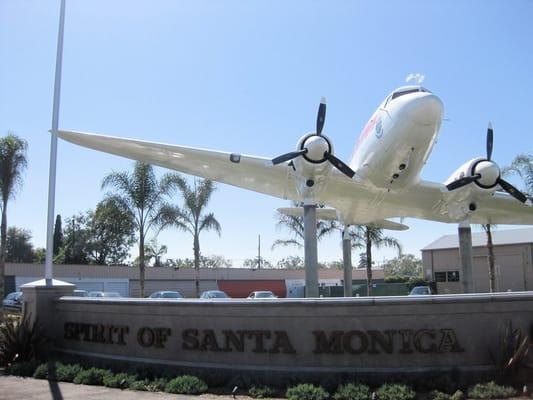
{"x":23,"y":368}
{"x":436,"y":395}
{"x":41,"y":372}
{"x":20,"y":340}
{"x":353,"y":392}
{"x":186,"y":384}
{"x":306,"y":391}
{"x":91,"y":376}
{"x":139,"y":385}
{"x":490,"y":391}
{"x":67,"y":372}
{"x":392,"y":391}
{"x":157,"y":385}
{"x":121,"y":380}
{"x":261,"y":392}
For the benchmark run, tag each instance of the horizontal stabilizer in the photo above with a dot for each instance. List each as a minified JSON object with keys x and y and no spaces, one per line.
{"x":331,"y":214}
{"x":321,"y":213}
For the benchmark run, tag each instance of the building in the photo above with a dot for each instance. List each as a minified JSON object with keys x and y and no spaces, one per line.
{"x":237,"y":282}
{"x":513,"y":250}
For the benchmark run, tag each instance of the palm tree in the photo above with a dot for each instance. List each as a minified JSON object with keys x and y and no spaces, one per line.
{"x":155,"y":251}
{"x":522,"y":165}
{"x":295,"y":225}
{"x":13,"y":161}
{"x":141,"y":195}
{"x":191,"y":217}
{"x":490,"y":246}
{"x":372,"y":237}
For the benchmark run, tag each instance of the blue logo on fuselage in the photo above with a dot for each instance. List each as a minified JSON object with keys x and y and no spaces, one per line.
{"x":379,"y":129}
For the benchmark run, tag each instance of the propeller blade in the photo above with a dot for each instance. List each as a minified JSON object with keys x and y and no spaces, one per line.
{"x":517,"y":194}
{"x":340,"y":165}
{"x":321,"y":116}
{"x":490,"y":138}
{"x":462,"y":182}
{"x":288,"y":156}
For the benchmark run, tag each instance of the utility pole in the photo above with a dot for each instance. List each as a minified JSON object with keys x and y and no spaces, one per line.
{"x":259,"y":253}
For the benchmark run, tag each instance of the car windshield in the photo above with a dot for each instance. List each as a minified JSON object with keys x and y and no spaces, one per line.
{"x":218,"y":295}
{"x":171,"y":295}
{"x":259,"y":295}
{"x":420,"y":290}
{"x":110,"y":294}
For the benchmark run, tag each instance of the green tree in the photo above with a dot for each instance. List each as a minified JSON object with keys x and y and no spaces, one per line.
{"x":291,"y":262}
{"x":143,"y":196}
{"x":19,"y":248}
{"x":372,"y":237}
{"x":405,"y":265}
{"x":254,"y":263}
{"x":110,"y":234}
{"x":13,"y":162}
{"x":58,"y":235}
{"x":215,"y":261}
{"x":75,"y":239}
{"x":192,"y":216}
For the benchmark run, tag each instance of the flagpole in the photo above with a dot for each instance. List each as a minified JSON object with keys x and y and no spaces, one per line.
{"x":53,"y":152}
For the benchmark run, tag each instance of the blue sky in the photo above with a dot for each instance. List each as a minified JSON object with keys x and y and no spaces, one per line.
{"x":247,"y":76}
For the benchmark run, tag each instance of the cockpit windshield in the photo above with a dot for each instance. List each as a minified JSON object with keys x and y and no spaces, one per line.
{"x":405,"y":91}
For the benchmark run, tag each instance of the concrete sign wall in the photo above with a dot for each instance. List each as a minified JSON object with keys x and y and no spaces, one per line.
{"x":369,"y":336}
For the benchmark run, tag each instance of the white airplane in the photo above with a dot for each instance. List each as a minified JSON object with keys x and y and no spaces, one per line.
{"x":381,"y":181}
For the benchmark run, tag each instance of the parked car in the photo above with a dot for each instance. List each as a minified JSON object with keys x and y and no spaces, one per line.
{"x":214,"y":294}
{"x":98,"y":293}
{"x":80,"y":293}
{"x":420,"y":291}
{"x":166,"y":294}
{"x":262,"y":294}
{"x":13,"y":301}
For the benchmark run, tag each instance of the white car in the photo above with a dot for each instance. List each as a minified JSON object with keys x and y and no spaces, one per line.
{"x":262,"y":294}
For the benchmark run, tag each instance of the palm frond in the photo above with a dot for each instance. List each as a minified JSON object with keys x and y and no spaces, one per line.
{"x":285,"y":243}
{"x":209,"y":222}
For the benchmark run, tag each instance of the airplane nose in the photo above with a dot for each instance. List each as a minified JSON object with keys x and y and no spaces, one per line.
{"x":425,"y":109}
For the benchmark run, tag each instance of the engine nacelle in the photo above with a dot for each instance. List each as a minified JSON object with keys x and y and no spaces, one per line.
{"x":312,"y":168}
{"x":485,"y":174}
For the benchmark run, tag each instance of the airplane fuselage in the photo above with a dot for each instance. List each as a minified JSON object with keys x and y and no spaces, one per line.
{"x":397,"y":140}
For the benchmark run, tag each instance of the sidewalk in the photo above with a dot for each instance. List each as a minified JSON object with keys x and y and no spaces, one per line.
{"x":16,"y":388}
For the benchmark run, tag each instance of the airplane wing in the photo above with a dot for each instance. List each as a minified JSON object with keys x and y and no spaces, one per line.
{"x":357,"y":201}
{"x":425,"y":200}
{"x":249,"y":172}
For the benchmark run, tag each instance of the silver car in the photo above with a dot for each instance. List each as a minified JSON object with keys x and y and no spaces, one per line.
{"x":262,"y":294}
{"x":13,"y":301}
{"x":214,"y":294}
{"x":166,"y":294}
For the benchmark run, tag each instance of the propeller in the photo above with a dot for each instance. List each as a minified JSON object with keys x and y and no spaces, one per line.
{"x":316,"y":148}
{"x":486,"y":174}
{"x":321,"y":116}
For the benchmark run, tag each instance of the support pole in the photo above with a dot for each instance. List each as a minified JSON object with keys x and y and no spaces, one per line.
{"x":48,"y":274}
{"x":310,"y":249}
{"x":347,"y":260}
{"x":465,"y":254}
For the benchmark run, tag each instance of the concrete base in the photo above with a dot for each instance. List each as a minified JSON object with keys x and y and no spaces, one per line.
{"x":39,"y":301}
{"x":372,"y":338}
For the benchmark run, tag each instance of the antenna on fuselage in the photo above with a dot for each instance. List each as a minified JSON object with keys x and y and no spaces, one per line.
{"x":418,"y":78}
